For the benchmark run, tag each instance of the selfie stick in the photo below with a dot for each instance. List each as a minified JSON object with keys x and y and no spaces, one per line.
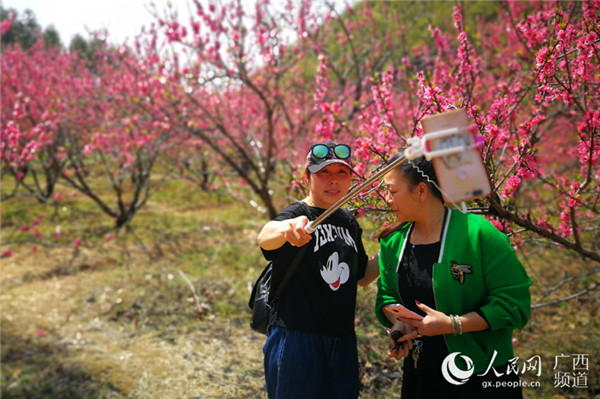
{"x":417,"y":147}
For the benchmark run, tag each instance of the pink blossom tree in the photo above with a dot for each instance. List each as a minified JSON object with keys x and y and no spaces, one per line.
{"x":255,"y":95}
{"x":32,"y":97}
{"x":66,"y":120}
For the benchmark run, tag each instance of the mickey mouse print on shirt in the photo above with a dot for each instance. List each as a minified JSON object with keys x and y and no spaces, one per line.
{"x":335,"y":273}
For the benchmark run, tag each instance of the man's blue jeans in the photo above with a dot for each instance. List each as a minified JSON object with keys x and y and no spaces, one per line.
{"x":310,"y":366}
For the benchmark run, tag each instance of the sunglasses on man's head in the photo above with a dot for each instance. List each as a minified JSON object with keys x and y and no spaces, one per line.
{"x":320,"y":151}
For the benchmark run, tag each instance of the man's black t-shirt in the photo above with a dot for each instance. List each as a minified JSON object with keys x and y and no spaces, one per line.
{"x":320,"y":297}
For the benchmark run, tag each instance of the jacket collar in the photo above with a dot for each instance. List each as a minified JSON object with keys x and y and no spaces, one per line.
{"x":445,"y":225}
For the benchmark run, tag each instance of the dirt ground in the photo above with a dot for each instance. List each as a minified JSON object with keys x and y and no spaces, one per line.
{"x":57,"y":338}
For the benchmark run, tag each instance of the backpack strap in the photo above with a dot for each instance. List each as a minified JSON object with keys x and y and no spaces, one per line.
{"x":290,"y":270}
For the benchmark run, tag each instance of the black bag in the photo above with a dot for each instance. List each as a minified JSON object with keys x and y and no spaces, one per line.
{"x":261,"y":301}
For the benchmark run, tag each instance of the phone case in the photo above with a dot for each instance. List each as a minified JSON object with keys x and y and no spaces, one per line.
{"x":461,"y":176}
{"x":398,"y":310}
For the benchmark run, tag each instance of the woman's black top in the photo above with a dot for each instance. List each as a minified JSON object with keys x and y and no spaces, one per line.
{"x":320,"y":297}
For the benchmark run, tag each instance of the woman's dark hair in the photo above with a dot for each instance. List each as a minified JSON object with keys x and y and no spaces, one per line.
{"x":419,"y":170}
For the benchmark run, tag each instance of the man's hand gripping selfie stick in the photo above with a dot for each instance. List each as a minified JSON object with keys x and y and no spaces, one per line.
{"x":417,"y":146}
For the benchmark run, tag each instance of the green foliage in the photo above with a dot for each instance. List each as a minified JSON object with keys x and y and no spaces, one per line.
{"x":405,"y":23}
{"x":415,"y":17}
{"x":86,"y":48}
{"x":26,"y":30}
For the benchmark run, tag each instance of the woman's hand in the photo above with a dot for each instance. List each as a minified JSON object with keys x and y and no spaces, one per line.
{"x":434,"y":323}
{"x":276,"y":233}
{"x":438,"y":323}
{"x":399,"y":348}
{"x":294,"y":232}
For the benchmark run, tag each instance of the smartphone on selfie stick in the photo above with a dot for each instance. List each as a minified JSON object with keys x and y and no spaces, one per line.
{"x":461,"y":175}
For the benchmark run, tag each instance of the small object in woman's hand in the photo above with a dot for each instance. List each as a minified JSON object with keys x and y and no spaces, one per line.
{"x":395,"y":335}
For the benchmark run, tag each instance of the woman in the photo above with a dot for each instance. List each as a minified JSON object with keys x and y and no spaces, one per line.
{"x":311,"y":349}
{"x":461,"y":275}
